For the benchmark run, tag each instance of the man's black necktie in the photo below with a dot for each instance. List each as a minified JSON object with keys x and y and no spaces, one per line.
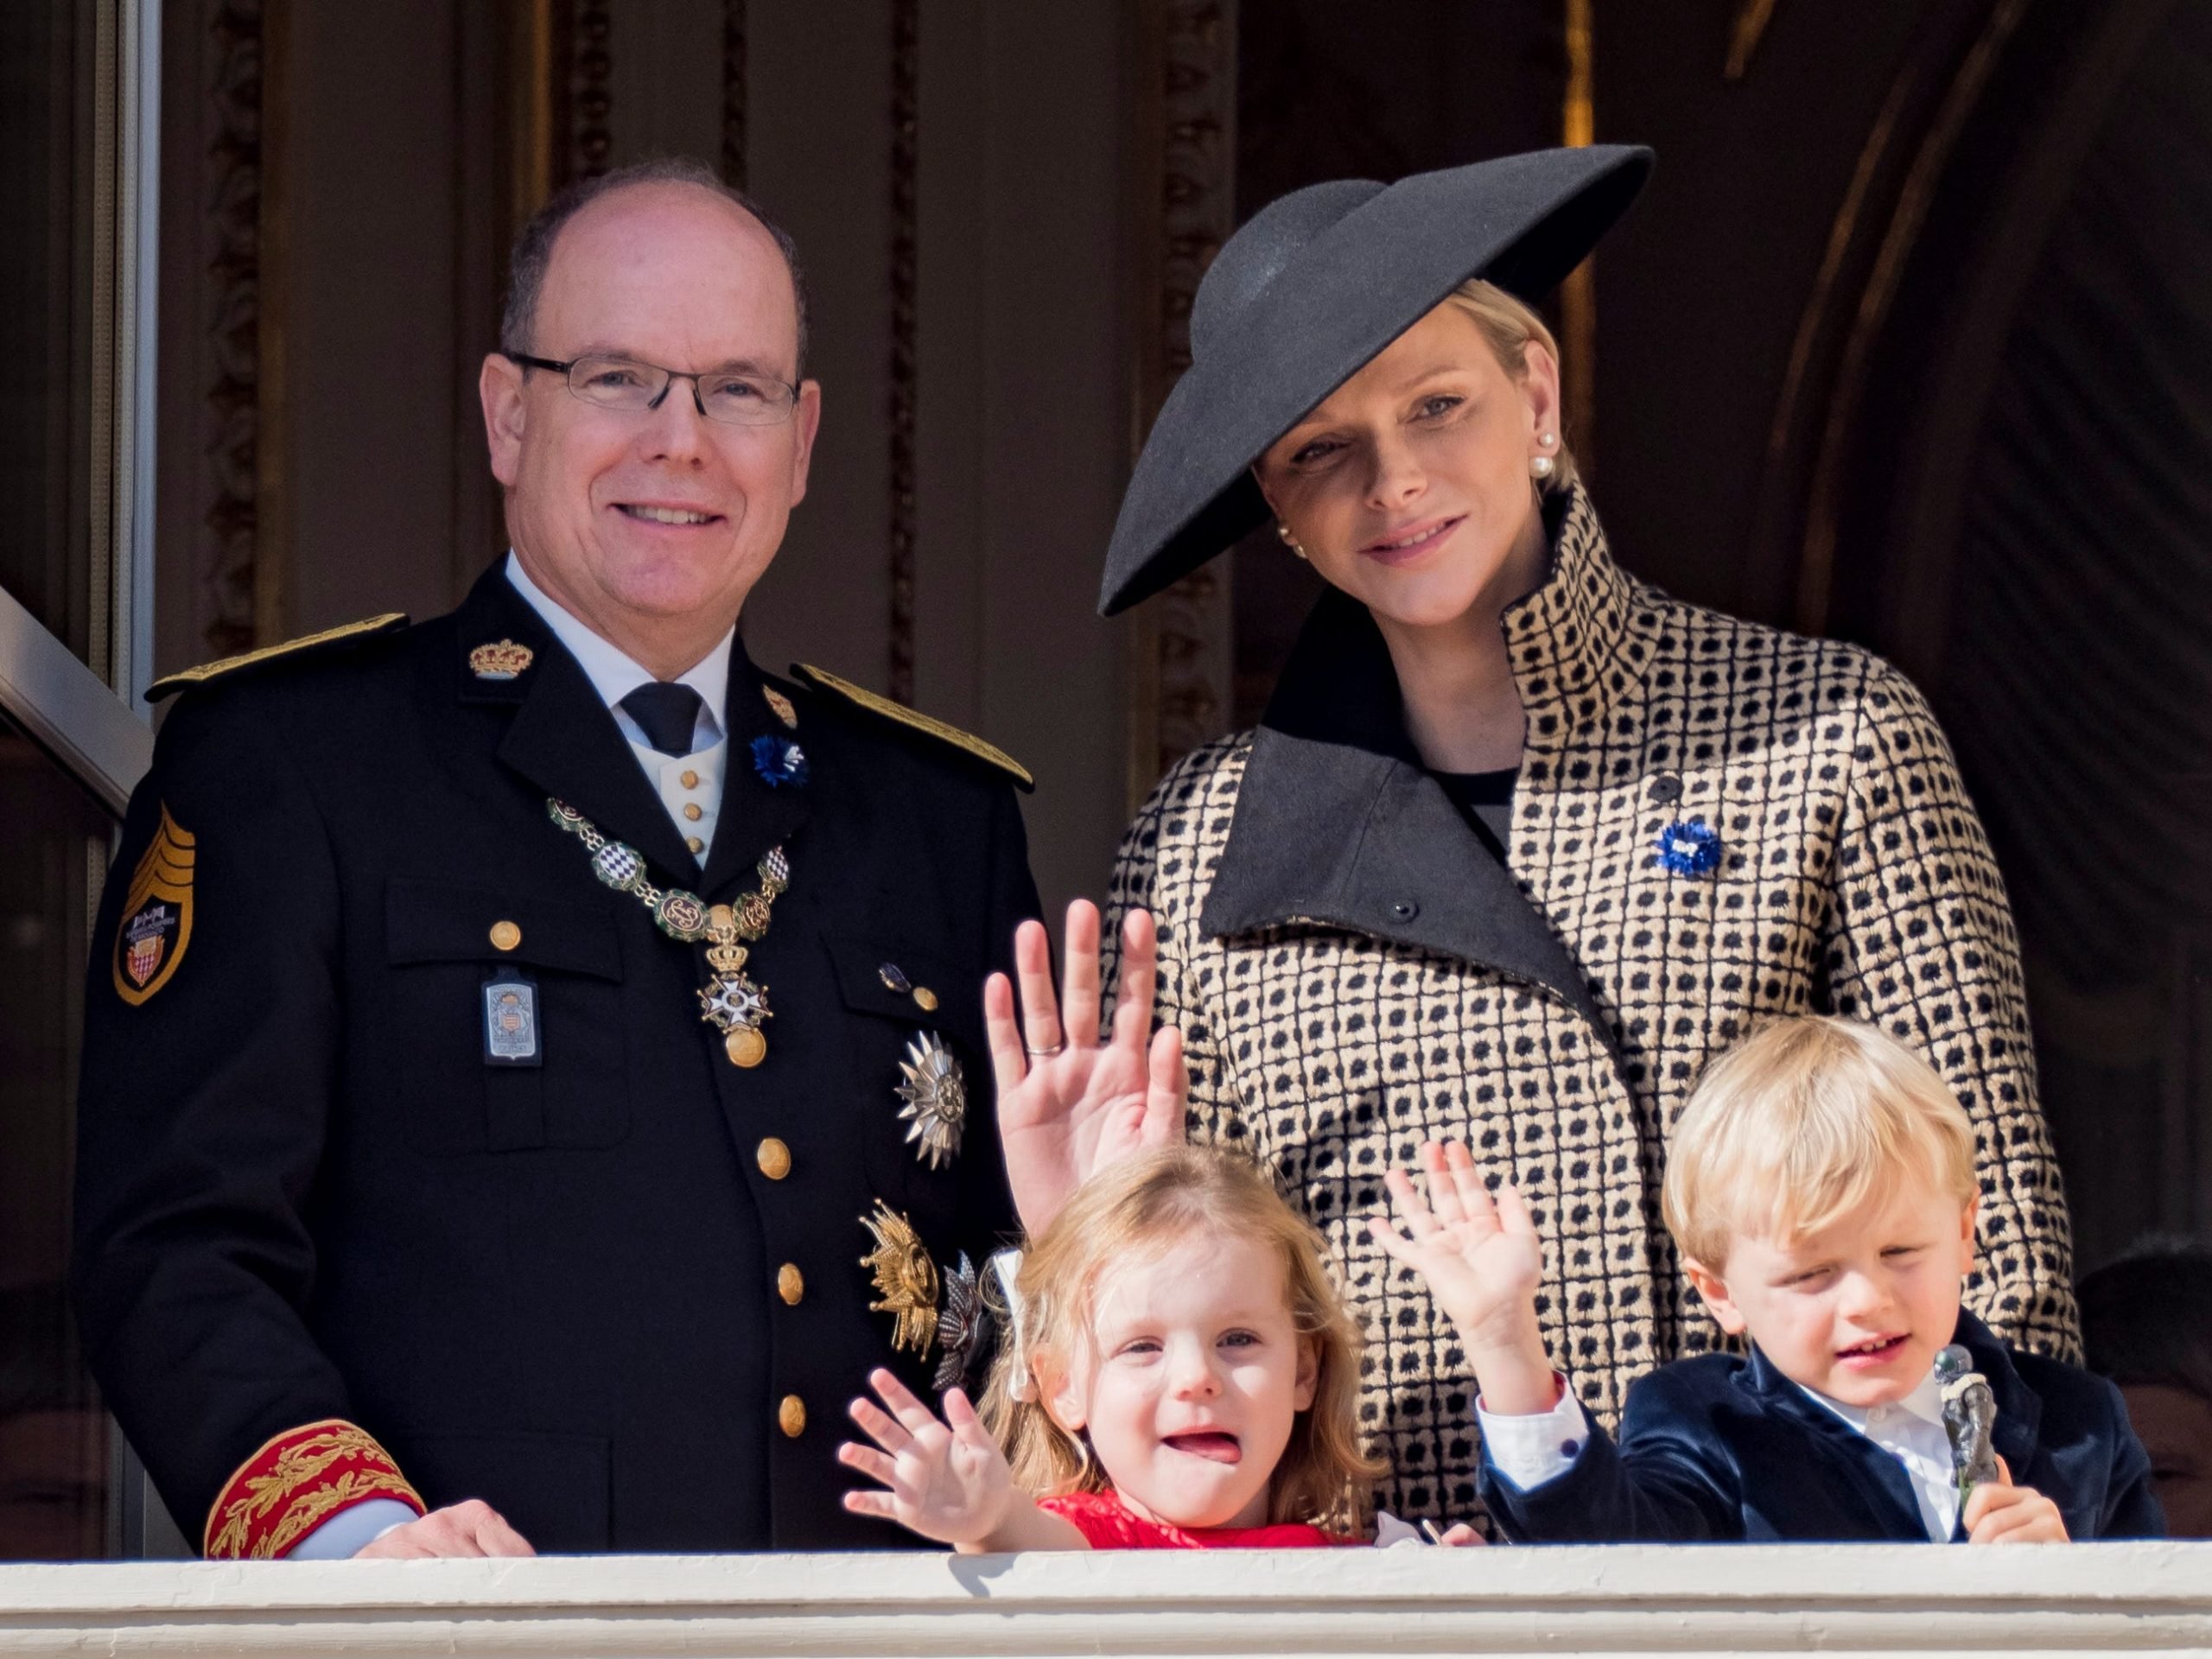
{"x":668,"y":713}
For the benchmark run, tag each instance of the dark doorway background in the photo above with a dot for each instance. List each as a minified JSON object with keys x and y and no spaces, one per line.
{"x":1910,"y":342}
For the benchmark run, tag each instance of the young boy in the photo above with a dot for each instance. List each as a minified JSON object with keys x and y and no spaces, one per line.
{"x":1820,"y":1186}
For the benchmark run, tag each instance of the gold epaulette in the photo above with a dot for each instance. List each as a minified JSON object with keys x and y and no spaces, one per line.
{"x":906,"y":717}
{"x":168,"y":685}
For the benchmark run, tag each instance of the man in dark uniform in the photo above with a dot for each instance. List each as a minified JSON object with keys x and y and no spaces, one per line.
{"x":534,"y":1065}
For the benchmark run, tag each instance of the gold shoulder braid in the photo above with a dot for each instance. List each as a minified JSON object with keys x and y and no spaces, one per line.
{"x":920,"y":723}
{"x":390,"y":622}
{"x":729,"y":1000}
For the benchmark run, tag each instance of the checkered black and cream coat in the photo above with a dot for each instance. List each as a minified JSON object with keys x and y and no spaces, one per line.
{"x":1354,"y":972}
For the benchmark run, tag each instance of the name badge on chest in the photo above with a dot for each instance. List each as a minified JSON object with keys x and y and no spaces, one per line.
{"x":511,"y":1036}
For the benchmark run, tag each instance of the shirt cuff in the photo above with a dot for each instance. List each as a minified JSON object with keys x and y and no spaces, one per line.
{"x":1527,"y":1451}
{"x":353,"y":1531}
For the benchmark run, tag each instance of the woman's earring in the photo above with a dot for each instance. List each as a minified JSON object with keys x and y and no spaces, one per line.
{"x":1540,"y":466}
{"x":1289,"y":540}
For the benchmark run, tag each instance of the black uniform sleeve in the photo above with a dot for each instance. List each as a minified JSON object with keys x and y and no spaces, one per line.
{"x":1659,"y":1486}
{"x":986,"y":1202}
{"x":202,"y":1112}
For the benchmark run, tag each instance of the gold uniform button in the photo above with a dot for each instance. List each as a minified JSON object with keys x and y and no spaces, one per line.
{"x":505,"y":936}
{"x":690,"y":780}
{"x":691,"y":810}
{"x":790,"y":1284}
{"x":774,"y":1159}
{"x":790,"y":1416}
{"x":694,"y":843}
{"x":925,"y":998}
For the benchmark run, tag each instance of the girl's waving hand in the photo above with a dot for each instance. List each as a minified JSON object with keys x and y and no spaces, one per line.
{"x":945,"y":1478}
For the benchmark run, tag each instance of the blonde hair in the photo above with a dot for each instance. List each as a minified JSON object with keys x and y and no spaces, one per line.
{"x":1511,"y":326}
{"x":1803,"y":1122}
{"x":1141,"y":1208}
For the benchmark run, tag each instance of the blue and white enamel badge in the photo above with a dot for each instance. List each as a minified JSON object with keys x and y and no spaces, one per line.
{"x":779,"y":761}
{"x":1690,"y":847}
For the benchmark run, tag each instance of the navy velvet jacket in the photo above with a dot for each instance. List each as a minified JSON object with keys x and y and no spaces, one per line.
{"x":1728,"y":1450}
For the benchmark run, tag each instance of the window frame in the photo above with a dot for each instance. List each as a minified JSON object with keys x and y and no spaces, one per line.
{"x":94,"y":721}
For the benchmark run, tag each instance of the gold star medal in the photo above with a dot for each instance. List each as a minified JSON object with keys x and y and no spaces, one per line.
{"x":905,"y":1277}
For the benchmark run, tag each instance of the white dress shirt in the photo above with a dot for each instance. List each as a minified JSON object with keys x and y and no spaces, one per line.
{"x":1543,"y":1446}
{"x":689,"y":785}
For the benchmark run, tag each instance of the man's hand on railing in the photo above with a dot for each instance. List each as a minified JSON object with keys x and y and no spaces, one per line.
{"x":471,"y":1528}
{"x":1068,"y":1106}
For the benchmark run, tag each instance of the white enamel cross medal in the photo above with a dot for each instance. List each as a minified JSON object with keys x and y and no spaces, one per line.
{"x":729,"y":1000}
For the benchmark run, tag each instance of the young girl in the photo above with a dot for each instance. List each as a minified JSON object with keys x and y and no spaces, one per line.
{"x":1183,"y":1379}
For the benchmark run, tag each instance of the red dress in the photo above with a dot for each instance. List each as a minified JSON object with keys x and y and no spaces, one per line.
{"x":1108,"y":1523}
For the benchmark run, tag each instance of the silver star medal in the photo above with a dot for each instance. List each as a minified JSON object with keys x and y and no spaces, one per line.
{"x":935,"y":1096}
{"x":960,"y":1324}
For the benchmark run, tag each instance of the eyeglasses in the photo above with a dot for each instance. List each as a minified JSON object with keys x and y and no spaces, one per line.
{"x":730,"y":396}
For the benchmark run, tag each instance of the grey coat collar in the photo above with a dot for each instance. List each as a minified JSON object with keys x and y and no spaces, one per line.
{"x":1338,"y":824}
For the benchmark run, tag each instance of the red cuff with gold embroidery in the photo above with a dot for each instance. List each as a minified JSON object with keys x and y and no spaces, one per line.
{"x":295,"y":1483}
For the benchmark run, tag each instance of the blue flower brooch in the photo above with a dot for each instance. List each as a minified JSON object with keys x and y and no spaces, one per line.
{"x":1689,"y":847}
{"x":779,"y":761}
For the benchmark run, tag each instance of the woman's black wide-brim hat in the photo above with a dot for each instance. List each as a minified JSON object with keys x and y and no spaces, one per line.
{"x":1315,"y":285}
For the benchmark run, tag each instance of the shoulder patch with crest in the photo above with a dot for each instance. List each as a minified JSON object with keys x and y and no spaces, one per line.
{"x":367,"y":628}
{"x":905,"y":716}
{"x":156,"y":924}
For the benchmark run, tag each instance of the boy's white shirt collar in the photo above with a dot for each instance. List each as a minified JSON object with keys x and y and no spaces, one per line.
{"x":1911,"y":1431}
{"x":1925,"y":1402}
{"x":614,"y":674}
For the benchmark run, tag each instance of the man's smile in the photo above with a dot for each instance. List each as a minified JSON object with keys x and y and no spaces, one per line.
{"x":651,"y":513}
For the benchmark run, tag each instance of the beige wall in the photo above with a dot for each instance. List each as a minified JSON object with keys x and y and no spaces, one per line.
{"x":382,"y":302}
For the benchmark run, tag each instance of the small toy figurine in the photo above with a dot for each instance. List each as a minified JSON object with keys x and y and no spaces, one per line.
{"x":1969,"y":1414}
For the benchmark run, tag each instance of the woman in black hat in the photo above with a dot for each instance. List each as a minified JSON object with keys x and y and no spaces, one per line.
{"x":1521,"y":843}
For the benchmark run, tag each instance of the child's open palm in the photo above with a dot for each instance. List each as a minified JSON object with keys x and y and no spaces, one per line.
{"x":1481,"y":1255}
{"x":944,"y":1479}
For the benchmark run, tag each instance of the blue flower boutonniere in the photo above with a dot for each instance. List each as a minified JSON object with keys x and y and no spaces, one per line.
{"x":1688,"y":846}
{"x":779,"y":761}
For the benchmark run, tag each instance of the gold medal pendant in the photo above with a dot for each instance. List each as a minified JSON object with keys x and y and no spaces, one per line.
{"x":729,"y":1000}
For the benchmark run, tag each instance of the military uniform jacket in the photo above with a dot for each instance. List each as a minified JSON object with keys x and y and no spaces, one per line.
{"x":1718,"y":1449}
{"x":1713,"y":822}
{"x":619,"y":1294}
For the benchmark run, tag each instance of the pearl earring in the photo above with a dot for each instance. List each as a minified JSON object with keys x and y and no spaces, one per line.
{"x":1540,"y":466}
{"x":1289,"y":540}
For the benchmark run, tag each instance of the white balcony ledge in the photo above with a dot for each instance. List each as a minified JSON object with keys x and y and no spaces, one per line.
{"x":1630,"y":1600}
